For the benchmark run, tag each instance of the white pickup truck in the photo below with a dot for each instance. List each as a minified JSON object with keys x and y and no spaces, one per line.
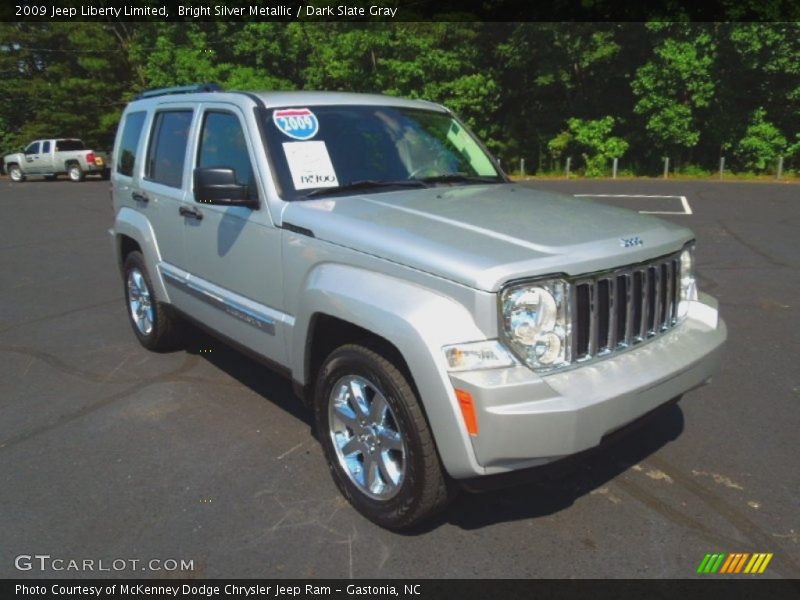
{"x":51,"y":158}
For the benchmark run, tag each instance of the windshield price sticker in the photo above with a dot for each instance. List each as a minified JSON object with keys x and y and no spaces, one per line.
{"x":297,"y":123}
{"x":310,"y":165}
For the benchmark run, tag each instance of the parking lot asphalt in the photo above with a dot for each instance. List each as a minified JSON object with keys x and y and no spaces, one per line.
{"x":110,"y":452}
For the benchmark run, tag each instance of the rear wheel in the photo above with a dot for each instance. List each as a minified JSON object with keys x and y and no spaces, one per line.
{"x":376,"y":439}
{"x":153,"y":325}
{"x":15,"y":173}
{"x":75,"y":172}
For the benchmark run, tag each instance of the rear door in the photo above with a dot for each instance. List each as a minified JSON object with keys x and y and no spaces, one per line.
{"x":46,"y":157}
{"x":164,"y":183}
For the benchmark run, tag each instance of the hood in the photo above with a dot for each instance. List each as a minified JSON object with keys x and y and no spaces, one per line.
{"x":485,"y":235}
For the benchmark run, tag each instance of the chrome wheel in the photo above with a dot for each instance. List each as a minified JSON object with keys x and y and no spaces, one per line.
{"x":139,"y":302}
{"x":366,"y":437}
{"x":75,"y":173}
{"x":15,"y":173}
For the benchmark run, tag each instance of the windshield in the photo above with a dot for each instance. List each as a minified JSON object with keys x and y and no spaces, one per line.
{"x":325,"y":149}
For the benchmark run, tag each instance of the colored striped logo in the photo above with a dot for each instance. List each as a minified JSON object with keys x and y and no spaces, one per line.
{"x":737,"y":562}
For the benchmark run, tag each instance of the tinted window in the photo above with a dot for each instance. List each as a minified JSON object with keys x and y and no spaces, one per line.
{"x":131,"y":132}
{"x":46,"y":147}
{"x":167,"y":151}
{"x":69,"y":145}
{"x":223,"y":145}
{"x":33,"y":148}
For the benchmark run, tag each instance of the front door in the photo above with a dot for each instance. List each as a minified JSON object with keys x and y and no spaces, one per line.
{"x":33,"y":158}
{"x":234,"y":252}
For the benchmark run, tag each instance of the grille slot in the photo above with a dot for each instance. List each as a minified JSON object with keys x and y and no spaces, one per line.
{"x":614,"y":310}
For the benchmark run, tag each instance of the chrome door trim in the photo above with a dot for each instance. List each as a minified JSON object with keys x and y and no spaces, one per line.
{"x":254,"y":314}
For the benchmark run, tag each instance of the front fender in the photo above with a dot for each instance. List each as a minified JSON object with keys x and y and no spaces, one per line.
{"x":418,"y":322}
{"x":136,"y":226}
{"x":19,"y":159}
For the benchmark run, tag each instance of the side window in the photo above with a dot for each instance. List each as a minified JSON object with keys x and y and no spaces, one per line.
{"x":46,"y":147}
{"x":131,"y":132}
{"x":167,"y":151}
{"x":33,"y":148}
{"x":222,"y":144}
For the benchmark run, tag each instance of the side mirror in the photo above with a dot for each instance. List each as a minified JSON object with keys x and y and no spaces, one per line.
{"x":218,"y":185}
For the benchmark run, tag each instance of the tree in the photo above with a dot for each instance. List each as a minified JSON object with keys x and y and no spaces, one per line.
{"x":549,"y":71}
{"x":61,"y":80}
{"x":762,"y":143}
{"x":595,"y":139}
{"x":675,"y":85}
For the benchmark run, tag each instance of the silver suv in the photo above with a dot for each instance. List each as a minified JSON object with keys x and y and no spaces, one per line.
{"x":442,"y":322}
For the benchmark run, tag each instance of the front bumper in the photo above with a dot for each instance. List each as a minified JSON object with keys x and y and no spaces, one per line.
{"x":526,"y":419}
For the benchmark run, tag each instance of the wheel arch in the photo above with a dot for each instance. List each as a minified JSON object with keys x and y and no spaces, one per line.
{"x":133,"y":231}
{"x":406,"y":320}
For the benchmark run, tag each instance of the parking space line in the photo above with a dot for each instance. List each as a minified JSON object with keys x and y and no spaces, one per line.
{"x":687,"y":209}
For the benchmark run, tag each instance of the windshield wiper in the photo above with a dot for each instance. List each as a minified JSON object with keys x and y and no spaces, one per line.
{"x":365,"y":184}
{"x":460,"y":178}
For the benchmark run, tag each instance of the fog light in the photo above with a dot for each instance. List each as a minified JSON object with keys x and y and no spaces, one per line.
{"x":477,"y":355}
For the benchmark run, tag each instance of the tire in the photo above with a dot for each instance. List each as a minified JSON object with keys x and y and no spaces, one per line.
{"x":385,"y":434}
{"x":154,"y":326}
{"x":15,"y":173}
{"x":75,"y":173}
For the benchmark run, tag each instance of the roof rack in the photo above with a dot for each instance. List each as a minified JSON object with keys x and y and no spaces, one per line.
{"x":180,"y":89}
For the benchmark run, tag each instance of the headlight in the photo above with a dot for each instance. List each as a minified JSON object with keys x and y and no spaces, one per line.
{"x":687,"y":281}
{"x":535,"y":324}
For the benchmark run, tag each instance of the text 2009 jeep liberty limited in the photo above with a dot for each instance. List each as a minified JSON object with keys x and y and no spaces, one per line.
{"x":442,"y":322}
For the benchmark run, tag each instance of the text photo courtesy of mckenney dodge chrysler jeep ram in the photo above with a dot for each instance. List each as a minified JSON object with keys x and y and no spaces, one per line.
{"x":442,"y":322}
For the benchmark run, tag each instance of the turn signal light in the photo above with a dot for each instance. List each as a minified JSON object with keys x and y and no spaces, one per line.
{"x":468,"y":411}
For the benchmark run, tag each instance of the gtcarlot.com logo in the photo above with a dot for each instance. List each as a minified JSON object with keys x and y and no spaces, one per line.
{"x":46,"y":562}
{"x":735,"y":563}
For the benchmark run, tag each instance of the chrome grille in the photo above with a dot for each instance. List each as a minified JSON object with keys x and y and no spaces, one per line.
{"x":616,"y":309}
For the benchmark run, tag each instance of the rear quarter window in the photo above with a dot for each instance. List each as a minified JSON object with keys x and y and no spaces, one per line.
{"x":129,"y":142}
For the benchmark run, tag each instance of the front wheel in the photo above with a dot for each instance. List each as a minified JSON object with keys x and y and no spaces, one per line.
{"x":376,"y":439}
{"x":15,"y":173}
{"x":75,"y":173}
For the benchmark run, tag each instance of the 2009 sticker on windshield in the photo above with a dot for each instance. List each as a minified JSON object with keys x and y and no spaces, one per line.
{"x":297,"y":123}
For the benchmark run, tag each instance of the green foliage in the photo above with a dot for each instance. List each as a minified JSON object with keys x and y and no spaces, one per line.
{"x":762,"y":143}
{"x":560,"y":144}
{"x":675,"y":84}
{"x":794,"y":149}
{"x":594,"y":138}
{"x":690,"y":91}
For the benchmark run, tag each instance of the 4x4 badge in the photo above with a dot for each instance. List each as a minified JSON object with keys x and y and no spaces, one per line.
{"x":631,"y":242}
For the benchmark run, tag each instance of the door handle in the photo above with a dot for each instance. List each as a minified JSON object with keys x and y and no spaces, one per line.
{"x":139,"y":197}
{"x":191,"y":212}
